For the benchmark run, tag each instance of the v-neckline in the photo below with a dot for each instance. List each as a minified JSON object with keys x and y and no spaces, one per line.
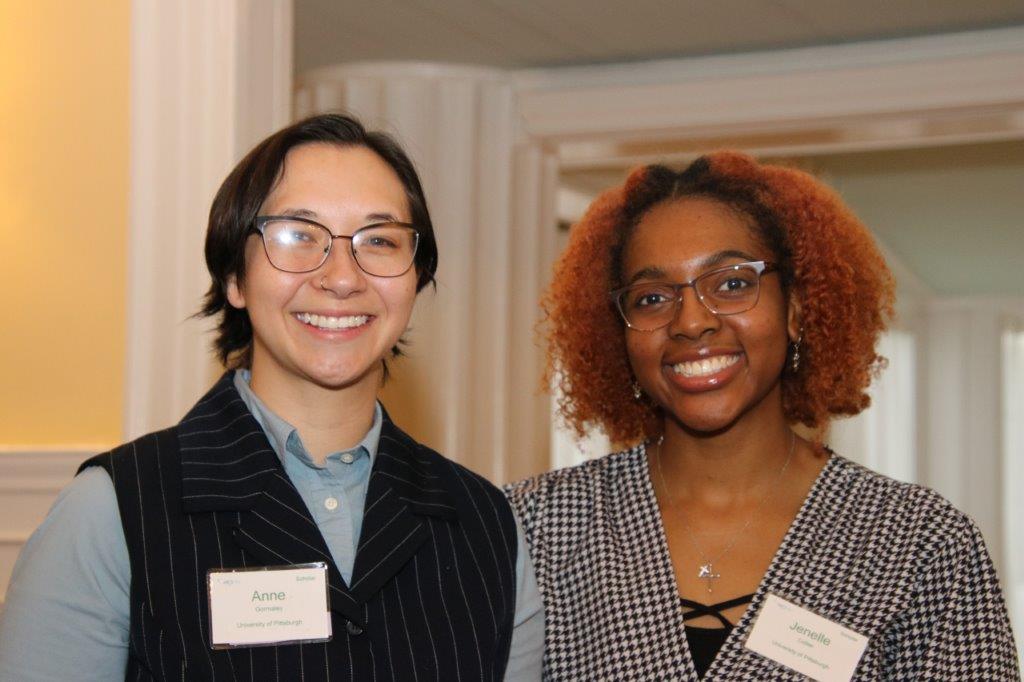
{"x":739,"y":630}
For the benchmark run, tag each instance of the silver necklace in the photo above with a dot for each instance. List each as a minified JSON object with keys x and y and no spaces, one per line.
{"x":707,"y":570}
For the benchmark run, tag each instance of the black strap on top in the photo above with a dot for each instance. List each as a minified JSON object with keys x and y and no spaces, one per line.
{"x":714,"y":610}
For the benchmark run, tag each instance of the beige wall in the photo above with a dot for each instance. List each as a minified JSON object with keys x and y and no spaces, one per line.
{"x":64,"y":100}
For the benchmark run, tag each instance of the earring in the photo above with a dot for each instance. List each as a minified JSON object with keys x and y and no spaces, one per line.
{"x":795,"y":360}
{"x":637,"y":393}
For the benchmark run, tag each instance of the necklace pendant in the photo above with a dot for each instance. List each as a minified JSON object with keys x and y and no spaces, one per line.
{"x":707,"y":572}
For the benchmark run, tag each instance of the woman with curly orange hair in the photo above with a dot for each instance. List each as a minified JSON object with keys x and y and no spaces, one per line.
{"x":697,"y":316}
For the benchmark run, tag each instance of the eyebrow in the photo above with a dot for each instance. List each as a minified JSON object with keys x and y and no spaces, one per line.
{"x":722,"y":256}
{"x":382,"y":218}
{"x":369,"y":218}
{"x":718,"y":258}
{"x":298,"y":212}
{"x":647,"y":273}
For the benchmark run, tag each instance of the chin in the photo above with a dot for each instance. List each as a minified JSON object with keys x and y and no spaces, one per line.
{"x":338,"y":382}
{"x":704,"y":424}
{"x":339,"y":377}
{"x":705,"y":413}
{"x":714,"y":417}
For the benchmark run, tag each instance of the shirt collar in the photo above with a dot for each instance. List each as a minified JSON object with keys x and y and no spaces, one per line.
{"x":284,"y":437}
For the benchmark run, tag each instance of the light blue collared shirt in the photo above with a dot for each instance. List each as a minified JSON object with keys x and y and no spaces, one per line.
{"x":334,"y":492}
{"x":67,"y":614}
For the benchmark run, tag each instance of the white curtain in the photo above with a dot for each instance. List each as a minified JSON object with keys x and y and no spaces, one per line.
{"x":1013,"y":481}
{"x":884,"y":436}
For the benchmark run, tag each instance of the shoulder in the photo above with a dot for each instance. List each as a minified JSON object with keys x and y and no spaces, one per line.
{"x":457,"y":476}
{"x":446,"y":482}
{"x":573,"y":493}
{"x":430,"y":463}
{"x":588,"y":476}
{"x":83,"y":525}
{"x":131,"y":453}
{"x":888,"y":496}
{"x":914,"y":518}
{"x":135,"y":463}
{"x":89,"y":496}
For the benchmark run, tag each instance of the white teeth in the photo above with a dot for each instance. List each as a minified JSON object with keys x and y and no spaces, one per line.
{"x":333,"y":323}
{"x":701,"y":368}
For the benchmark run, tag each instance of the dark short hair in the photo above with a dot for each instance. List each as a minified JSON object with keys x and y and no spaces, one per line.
{"x":238,"y":202}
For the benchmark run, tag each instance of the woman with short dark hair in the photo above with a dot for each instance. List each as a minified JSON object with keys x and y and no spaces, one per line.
{"x":697,"y":316}
{"x":286,"y":528}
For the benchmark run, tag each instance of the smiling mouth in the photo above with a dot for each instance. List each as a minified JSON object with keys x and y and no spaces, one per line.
{"x":706,"y":367}
{"x":330,"y":323}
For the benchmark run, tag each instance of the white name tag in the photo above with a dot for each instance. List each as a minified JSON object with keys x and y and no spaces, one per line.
{"x":265,"y":606}
{"x":806,"y":642}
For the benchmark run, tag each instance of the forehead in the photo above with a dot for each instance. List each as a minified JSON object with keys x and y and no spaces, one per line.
{"x":319,"y":175}
{"x":684,"y":232}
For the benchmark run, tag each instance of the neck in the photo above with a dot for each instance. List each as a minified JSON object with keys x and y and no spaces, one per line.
{"x":726,"y":467}
{"x":328,"y":419}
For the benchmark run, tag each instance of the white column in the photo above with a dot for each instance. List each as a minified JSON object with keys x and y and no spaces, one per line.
{"x":208,"y":80}
{"x":467,"y":387}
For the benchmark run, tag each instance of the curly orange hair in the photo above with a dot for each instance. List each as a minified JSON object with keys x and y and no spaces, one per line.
{"x":827,"y":258}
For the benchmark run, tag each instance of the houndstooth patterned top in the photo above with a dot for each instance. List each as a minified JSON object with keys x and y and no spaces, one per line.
{"x":892,"y":561}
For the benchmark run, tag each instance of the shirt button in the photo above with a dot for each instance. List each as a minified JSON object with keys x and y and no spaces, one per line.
{"x":347,"y":457}
{"x":331,"y":503}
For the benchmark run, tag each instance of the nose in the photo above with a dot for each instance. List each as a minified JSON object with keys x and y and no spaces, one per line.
{"x":340,"y":274}
{"x":692,"y":318}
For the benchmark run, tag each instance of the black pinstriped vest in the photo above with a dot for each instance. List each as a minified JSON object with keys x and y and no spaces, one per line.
{"x":432,"y":593}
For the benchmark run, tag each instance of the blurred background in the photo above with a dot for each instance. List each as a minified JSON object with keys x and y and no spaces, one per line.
{"x":119,"y":119}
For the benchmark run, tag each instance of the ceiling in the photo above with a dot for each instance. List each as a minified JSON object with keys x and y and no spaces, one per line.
{"x":532,"y":33}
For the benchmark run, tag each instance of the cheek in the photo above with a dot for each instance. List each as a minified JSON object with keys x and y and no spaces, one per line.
{"x":271,"y":288}
{"x":263,"y":283}
{"x":640,"y":350}
{"x":399,"y":295}
{"x":766,"y":338}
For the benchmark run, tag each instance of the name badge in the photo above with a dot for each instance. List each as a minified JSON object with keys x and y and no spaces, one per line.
{"x":268,"y":605}
{"x":804,"y":641}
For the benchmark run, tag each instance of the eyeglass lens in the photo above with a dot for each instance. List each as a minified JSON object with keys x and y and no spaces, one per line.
{"x":649,"y":306}
{"x":385,"y":250}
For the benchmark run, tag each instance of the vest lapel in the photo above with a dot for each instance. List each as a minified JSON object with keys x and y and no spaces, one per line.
{"x":404,"y":492}
{"x":229,"y":466}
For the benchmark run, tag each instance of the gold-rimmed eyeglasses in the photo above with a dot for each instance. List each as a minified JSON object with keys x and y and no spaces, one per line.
{"x":296,"y":244}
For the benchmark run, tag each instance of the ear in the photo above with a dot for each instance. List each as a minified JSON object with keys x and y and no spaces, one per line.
{"x":234,"y":292}
{"x":794,"y":318}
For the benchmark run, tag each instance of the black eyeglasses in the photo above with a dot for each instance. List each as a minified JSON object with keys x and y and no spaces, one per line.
{"x":301,"y":245}
{"x":647,"y":306}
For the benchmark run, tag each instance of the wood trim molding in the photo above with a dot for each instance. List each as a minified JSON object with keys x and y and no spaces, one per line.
{"x":792,"y":89}
{"x":810,"y":58}
{"x":40,"y":470}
